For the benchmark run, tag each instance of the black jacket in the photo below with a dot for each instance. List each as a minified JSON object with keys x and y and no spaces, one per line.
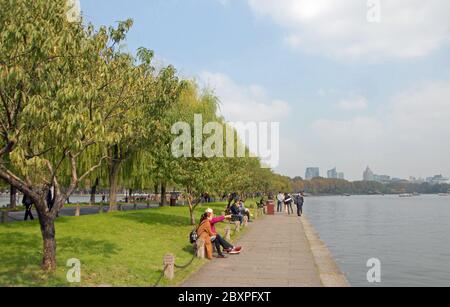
{"x":299,"y":200}
{"x":26,"y":201}
{"x":235,"y":210}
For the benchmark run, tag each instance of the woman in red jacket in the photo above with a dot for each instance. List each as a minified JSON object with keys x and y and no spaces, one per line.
{"x":218,"y":240}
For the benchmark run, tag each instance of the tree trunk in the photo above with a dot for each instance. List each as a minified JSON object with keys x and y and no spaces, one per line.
{"x":13,"y":197}
{"x":156,"y":189}
{"x":113,"y":182}
{"x":94,"y":192}
{"x":48,"y":235}
{"x":77,"y":210}
{"x":163,"y":195}
{"x":191,"y":212}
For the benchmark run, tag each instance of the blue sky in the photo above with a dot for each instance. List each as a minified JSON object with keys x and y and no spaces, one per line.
{"x":348,"y":92}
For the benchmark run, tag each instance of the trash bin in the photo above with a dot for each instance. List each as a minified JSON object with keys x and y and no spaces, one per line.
{"x":270,"y":204}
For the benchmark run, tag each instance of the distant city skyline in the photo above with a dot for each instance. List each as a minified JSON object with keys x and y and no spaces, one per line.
{"x":369,"y":175}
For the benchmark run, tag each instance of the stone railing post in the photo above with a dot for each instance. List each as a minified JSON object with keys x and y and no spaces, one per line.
{"x":227,"y":233}
{"x":245,"y":223}
{"x":77,"y":210}
{"x":237,"y":226}
{"x":201,"y":248}
{"x":169,"y":266}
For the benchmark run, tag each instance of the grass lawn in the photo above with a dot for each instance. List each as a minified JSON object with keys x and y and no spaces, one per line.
{"x":115,"y":249}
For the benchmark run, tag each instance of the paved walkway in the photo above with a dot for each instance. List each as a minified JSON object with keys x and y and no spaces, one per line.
{"x":70,"y":211}
{"x":276,"y":254}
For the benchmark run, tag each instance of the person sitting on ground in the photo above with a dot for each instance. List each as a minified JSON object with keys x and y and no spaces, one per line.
{"x":219,"y":240}
{"x":236,"y":213}
{"x":205,"y":233}
{"x":261,"y":203}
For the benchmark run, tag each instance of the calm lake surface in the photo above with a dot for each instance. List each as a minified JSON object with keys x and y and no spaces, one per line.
{"x":410,"y":236}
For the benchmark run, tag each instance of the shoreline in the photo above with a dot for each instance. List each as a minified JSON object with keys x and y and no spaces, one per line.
{"x":329,"y":272}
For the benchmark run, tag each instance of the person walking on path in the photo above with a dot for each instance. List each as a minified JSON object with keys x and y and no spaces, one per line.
{"x":50,"y":197}
{"x":299,"y":201}
{"x":28,"y":203}
{"x":280,"y":199}
{"x":288,"y":203}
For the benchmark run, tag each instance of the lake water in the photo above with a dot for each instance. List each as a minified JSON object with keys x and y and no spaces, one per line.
{"x":410,"y":236}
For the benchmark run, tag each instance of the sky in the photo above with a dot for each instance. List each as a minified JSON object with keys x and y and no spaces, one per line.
{"x":353,"y":83}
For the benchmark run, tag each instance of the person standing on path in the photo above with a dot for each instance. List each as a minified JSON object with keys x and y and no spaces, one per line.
{"x":280,"y":199}
{"x":28,"y":203}
{"x":299,"y":201}
{"x":288,"y":203}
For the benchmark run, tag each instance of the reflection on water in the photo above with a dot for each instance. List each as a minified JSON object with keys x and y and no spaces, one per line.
{"x":411,"y":236}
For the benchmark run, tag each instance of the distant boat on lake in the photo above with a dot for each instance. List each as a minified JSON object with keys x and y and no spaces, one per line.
{"x":406,"y":195}
{"x":444,"y":194}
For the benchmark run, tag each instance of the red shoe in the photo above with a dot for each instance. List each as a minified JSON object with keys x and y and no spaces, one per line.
{"x":236,"y":250}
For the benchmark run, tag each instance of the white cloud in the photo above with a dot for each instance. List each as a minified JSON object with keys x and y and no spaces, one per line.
{"x":409,"y":137}
{"x":244,"y":103}
{"x":353,"y":103}
{"x":340,"y":28}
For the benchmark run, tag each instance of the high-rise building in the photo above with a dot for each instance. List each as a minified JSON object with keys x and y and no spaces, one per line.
{"x":341,"y":176}
{"x":312,"y":172}
{"x":368,"y":175}
{"x":382,"y":178}
{"x":332,"y":174}
{"x":438,"y":179}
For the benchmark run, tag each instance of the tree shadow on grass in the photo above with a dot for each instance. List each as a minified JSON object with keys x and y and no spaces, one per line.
{"x":189,"y":249}
{"x":21,"y":255}
{"x":78,"y":246}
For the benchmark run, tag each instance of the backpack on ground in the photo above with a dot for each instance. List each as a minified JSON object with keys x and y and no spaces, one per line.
{"x":193,"y":236}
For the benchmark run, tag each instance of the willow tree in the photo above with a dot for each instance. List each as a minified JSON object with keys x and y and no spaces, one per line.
{"x":190,"y":167}
{"x":55,"y":103}
{"x":145,"y":96}
{"x":133,"y":88}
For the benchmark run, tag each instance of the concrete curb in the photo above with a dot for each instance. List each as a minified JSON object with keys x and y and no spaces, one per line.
{"x":329,"y":272}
